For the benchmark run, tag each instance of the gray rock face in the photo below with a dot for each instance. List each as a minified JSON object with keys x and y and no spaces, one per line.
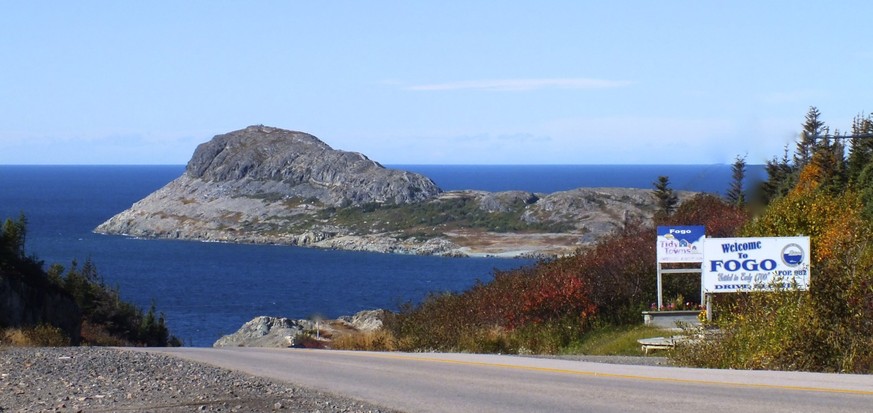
{"x":367,"y":320}
{"x":505,"y":201}
{"x":266,"y":331}
{"x":262,"y":160}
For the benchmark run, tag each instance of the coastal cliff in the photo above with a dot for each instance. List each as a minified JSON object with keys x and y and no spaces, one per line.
{"x":272,"y":186}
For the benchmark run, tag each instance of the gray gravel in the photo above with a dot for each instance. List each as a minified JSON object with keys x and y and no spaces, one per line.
{"x":89,"y":379}
{"x":630,"y":360}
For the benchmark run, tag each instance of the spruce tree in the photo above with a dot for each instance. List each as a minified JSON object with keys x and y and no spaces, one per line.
{"x":781,"y":176}
{"x":665,"y":197}
{"x":830,"y":162}
{"x":813,"y":129}
{"x":735,"y":194}
{"x":13,"y":237}
{"x":860,"y":148}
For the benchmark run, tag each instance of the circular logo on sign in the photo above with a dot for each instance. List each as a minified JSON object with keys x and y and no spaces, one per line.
{"x":792,"y":255}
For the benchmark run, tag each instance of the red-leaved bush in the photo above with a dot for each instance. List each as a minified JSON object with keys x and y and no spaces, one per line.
{"x":609,"y":282}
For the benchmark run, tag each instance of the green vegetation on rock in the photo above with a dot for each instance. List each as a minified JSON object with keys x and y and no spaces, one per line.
{"x":435,"y":217}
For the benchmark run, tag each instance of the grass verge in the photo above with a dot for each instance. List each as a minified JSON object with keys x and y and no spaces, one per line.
{"x":615,"y":341}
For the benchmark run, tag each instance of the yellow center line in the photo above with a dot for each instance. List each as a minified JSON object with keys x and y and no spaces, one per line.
{"x":612,"y":375}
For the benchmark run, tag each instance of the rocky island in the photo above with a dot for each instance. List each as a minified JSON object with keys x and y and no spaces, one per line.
{"x":268,"y":185}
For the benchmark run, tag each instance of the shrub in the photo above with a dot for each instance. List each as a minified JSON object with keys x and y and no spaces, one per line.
{"x":720,"y":218}
{"x":548,"y":306}
{"x":378,"y":340}
{"x":827,"y":328}
{"x":37,"y":336}
{"x":98,"y":335}
{"x":758,"y":332}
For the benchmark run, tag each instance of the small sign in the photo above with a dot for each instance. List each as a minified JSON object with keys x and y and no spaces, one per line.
{"x":681,"y":243}
{"x":755,"y":264}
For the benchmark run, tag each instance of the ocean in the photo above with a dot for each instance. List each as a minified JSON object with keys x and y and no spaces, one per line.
{"x":207,"y":290}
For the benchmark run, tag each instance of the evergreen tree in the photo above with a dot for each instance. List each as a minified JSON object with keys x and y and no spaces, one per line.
{"x":13,"y":237}
{"x":865,"y":190}
{"x":735,"y":194}
{"x":813,"y":129}
{"x":781,"y":176}
{"x":860,"y":148}
{"x":830,"y":162}
{"x":665,"y":197}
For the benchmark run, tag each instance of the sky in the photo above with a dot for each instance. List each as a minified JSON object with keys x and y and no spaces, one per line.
{"x":430,"y":82}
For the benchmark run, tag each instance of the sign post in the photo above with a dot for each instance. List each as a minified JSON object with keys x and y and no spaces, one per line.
{"x":679,"y":244}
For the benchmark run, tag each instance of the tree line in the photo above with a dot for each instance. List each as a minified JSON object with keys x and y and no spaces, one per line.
{"x":106,"y":319}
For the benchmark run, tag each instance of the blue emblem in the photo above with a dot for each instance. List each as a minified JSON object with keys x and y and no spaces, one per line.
{"x":792,"y":255}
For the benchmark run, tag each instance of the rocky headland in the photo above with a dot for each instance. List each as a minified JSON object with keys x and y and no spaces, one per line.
{"x":267,"y":185}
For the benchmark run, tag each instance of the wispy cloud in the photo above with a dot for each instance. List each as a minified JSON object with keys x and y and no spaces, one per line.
{"x":522,"y":85}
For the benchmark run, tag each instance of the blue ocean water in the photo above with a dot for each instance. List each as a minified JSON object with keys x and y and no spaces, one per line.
{"x":208,"y":289}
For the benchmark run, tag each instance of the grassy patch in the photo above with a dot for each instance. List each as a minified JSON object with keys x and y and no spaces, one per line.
{"x":615,"y":341}
{"x":379,"y":340}
{"x":604,"y":341}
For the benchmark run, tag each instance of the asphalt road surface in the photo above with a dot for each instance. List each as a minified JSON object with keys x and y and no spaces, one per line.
{"x":438,"y":382}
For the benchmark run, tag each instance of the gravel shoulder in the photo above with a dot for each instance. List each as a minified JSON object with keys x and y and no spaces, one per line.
{"x":627,"y":360}
{"x":96,"y":379}
{"x":91,"y":379}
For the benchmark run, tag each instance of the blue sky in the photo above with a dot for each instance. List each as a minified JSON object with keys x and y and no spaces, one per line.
{"x":477,"y":82}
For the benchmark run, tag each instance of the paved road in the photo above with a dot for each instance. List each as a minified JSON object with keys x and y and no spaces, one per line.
{"x":429,"y":382}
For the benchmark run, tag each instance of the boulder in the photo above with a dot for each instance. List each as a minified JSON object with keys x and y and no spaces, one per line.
{"x":275,"y":332}
{"x":367,"y":320}
{"x":266,"y":331}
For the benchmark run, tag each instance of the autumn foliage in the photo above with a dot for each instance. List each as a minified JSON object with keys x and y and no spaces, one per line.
{"x":827,"y":328}
{"x":545,"y":307}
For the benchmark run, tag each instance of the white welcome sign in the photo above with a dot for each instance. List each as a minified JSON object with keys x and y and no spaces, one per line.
{"x":755,"y":264}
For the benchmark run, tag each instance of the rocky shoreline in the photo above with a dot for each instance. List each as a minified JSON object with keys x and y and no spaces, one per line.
{"x":92,"y":379}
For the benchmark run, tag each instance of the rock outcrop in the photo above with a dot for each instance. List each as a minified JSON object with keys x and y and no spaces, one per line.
{"x":261,"y":161}
{"x":272,"y":186}
{"x":265,"y":331}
